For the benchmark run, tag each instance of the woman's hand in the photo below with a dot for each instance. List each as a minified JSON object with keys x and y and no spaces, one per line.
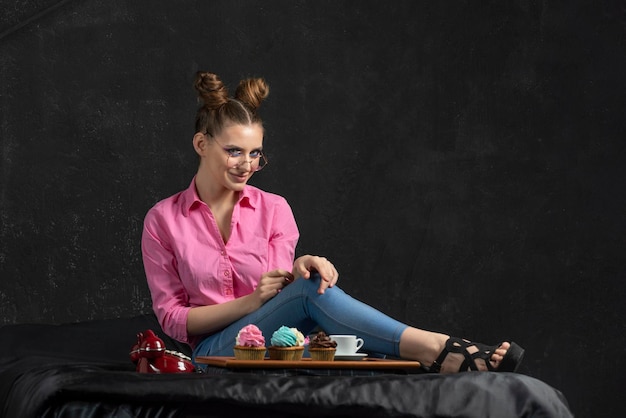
{"x":271,"y":283}
{"x":303,"y":266}
{"x":210,"y":318}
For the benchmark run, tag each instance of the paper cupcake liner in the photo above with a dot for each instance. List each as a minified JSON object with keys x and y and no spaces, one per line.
{"x":286,"y":353}
{"x":322,"y":354}
{"x":249,"y":353}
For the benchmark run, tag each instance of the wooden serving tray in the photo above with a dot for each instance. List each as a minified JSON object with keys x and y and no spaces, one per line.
{"x":307,"y":363}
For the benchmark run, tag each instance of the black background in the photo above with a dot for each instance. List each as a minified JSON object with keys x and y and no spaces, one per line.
{"x":461,"y":163}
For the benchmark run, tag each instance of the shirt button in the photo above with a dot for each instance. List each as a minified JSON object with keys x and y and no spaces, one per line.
{"x":226,"y":273}
{"x":228,"y":291}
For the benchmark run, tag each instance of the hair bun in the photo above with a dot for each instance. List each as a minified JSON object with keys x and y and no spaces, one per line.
{"x":252,"y":91}
{"x":211,"y":90}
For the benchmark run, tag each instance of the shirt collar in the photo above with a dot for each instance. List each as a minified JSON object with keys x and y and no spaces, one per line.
{"x":190,"y":198}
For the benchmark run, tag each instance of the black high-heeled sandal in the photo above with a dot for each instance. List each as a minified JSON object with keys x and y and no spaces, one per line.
{"x":510,"y":362}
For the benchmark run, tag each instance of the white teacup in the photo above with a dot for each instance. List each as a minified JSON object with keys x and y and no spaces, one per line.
{"x":347,"y":344}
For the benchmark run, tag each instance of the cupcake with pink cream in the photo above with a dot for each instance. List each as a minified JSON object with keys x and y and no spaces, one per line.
{"x":249,"y":343}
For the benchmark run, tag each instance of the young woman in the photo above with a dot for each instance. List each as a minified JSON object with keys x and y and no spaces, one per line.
{"x":220,"y":255}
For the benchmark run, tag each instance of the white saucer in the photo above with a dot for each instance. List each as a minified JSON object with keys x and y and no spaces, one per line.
{"x":348,"y":357}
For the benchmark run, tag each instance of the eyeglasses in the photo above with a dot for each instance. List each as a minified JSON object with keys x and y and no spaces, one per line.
{"x":236,"y":157}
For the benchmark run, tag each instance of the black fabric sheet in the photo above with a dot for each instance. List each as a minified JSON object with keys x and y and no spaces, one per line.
{"x":46,"y":387}
{"x":83,"y":370}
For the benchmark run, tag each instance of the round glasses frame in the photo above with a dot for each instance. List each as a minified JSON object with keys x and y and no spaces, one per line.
{"x":257,"y":163}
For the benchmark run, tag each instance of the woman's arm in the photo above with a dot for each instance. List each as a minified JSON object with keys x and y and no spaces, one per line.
{"x":207,"y":319}
{"x":211,"y":318}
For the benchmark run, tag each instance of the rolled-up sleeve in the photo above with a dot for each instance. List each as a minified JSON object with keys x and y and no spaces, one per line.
{"x":169,"y":297}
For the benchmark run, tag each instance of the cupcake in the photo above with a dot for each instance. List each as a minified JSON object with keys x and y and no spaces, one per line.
{"x":249,"y":344}
{"x":322,"y":348}
{"x":286,"y":344}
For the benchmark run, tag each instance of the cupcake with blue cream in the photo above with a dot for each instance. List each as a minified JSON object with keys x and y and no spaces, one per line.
{"x":286,"y":344}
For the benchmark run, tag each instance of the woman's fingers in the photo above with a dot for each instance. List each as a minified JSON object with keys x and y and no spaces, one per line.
{"x":272,"y":282}
{"x":329,"y":277}
{"x":327,"y":271}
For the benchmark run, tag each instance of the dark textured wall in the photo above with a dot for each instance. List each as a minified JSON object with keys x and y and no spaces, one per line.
{"x":462,"y":164}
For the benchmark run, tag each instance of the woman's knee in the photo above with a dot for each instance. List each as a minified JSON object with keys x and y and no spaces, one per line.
{"x":311,"y":285}
{"x":300,"y":286}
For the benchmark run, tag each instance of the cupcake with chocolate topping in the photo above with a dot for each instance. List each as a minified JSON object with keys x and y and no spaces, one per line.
{"x":286,"y":344}
{"x":322,"y":348}
{"x":249,"y":344}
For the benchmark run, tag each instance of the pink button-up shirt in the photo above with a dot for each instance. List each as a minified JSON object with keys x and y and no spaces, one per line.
{"x":187,"y":263}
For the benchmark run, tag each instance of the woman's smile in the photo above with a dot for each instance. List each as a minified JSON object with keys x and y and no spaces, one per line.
{"x":240,"y":177}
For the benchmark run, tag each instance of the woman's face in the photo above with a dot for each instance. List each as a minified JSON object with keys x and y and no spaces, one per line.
{"x":231,"y":157}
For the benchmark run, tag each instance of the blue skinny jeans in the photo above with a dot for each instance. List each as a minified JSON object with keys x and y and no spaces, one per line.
{"x":299,"y":305}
